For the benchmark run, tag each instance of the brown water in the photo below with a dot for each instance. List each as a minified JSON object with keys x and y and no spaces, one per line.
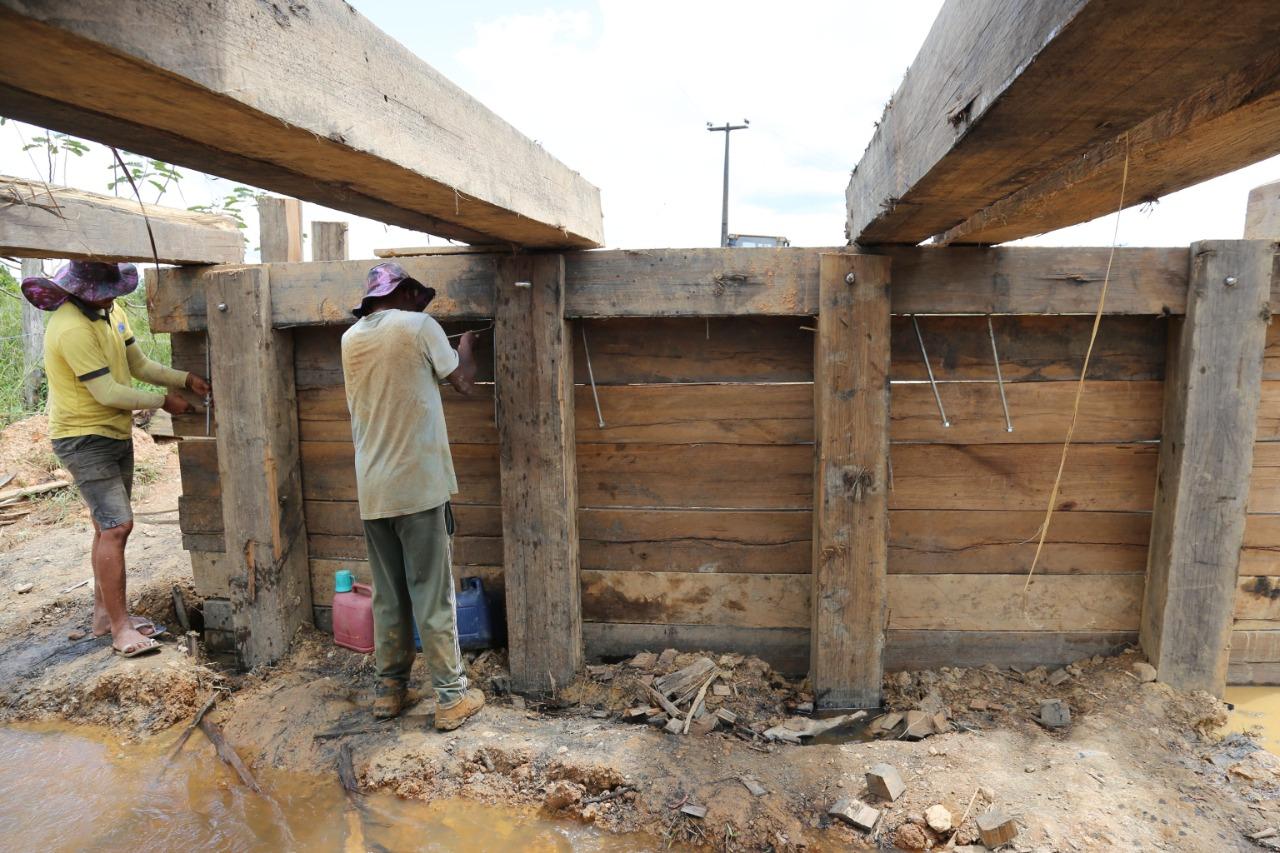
{"x":65,"y":788}
{"x":1256,"y":706}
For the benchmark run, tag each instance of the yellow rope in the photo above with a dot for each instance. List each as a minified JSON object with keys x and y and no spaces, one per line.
{"x":1084,"y":371}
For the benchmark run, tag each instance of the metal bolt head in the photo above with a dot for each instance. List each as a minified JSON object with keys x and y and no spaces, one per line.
{"x":222,"y":306}
{"x":850,"y":278}
{"x":1230,"y":281}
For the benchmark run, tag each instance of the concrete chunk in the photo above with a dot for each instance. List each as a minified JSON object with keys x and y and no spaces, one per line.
{"x":885,"y":782}
{"x":1054,"y":713}
{"x":855,"y":813}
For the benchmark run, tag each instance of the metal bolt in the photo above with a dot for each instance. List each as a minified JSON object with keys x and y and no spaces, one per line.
{"x":1230,"y":281}
{"x":524,"y":284}
{"x":850,"y":278}
{"x":222,"y":306}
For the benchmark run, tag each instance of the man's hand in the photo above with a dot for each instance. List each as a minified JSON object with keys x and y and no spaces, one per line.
{"x":176,"y":404}
{"x":464,"y":376}
{"x":198,"y":385}
{"x":467,"y":340}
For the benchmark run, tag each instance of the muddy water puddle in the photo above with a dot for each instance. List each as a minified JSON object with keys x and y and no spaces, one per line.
{"x":1256,"y":707}
{"x":68,"y":788}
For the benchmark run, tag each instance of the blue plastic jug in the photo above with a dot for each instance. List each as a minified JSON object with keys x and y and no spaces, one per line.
{"x":475,"y":625}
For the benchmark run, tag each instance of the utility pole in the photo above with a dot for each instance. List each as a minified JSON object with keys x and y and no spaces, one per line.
{"x":726,"y":129}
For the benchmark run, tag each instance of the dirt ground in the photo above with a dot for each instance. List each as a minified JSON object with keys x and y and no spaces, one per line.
{"x":1140,"y":767}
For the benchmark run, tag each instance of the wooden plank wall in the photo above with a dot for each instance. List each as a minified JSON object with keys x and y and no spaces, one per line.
{"x":1255,"y":642}
{"x":695,"y":497}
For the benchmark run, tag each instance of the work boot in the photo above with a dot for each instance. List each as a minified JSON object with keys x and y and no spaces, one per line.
{"x":450,"y":717}
{"x":392,"y":697}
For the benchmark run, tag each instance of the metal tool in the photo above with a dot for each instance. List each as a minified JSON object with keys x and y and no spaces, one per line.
{"x":995,"y":354}
{"x":933,"y":383}
{"x":208,"y":398}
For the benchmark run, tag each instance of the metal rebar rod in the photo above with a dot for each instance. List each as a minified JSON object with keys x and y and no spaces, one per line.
{"x":933,"y":383}
{"x":592,"y":377}
{"x":995,"y":354}
{"x":208,"y":398}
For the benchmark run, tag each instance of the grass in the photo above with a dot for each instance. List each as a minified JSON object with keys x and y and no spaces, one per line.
{"x":155,"y":346}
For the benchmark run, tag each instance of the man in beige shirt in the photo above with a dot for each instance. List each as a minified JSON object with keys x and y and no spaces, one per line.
{"x":393,"y":360}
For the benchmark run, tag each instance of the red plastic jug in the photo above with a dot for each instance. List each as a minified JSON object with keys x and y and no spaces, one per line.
{"x":353,"y":618}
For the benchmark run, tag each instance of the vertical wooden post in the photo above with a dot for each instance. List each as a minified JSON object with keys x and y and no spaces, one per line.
{"x":32,"y":341}
{"x":1262,"y":216}
{"x":328,"y":241}
{"x":533,"y":375}
{"x":258,"y":466}
{"x":1211,"y":393}
{"x":851,"y":482}
{"x":279,"y":229}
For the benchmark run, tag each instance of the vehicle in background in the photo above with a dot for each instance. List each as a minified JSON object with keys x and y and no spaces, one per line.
{"x":757,"y":241}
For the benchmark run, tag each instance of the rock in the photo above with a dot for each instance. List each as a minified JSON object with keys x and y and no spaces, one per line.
{"x":996,"y":828}
{"x":1054,"y":713}
{"x":756,"y":789}
{"x":1058,"y":676}
{"x":667,"y":658}
{"x":638,"y":714}
{"x":694,"y":810}
{"x":938,"y":817}
{"x":885,"y":782}
{"x":889,"y":722}
{"x":76,"y":635}
{"x":910,"y":837}
{"x":804,"y":708}
{"x":919,"y":725}
{"x":726,"y":716}
{"x":674,"y":726}
{"x":940,"y":724}
{"x":659,"y":720}
{"x":1036,"y":676}
{"x":979,"y":705}
{"x":562,"y":750}
{"x":23,"y":588}
{"x":703,"y":725}
{"x":855,"y":813}
{"x":1146,"y":672}
{"x":561,"y":794}
{"x":987,"y":794}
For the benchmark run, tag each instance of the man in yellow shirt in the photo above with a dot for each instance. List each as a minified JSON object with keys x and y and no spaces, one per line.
{"x":91,"y":359}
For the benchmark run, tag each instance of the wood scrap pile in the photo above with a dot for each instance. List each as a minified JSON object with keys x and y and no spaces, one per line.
{"x":12,"y":500}
{"x":679,"y":698}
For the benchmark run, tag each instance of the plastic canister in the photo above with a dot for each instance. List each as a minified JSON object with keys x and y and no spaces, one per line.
{"x":352,"y":613}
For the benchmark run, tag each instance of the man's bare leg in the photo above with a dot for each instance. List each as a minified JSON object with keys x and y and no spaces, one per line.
{"x":109,"y":583}
{"x":101,"y":621}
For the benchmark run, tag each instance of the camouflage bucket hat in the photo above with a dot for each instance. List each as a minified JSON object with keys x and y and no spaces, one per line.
{"x":89,"y":281}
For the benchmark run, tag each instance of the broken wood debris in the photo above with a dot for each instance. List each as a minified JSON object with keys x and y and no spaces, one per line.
{"x":228,"y":754}
{"x":996,"y":828}
{"x":795,"y":729}
{"x":885,"y":782}
{"x":693,"y":810}
{"x":855,"y":813}
{"x":756,"y":789}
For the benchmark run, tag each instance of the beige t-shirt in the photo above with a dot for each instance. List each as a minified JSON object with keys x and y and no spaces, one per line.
{"x":393,"y":362}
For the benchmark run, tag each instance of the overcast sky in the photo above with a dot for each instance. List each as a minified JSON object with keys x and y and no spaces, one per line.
{"x":621,"y":92}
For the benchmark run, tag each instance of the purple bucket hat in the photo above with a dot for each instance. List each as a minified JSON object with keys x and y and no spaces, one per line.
{"x":89,"y":281}
{"x":383,"y":280}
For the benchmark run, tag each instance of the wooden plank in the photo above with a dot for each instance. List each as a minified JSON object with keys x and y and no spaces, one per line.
{"x":198,"y":467}
{"x":1250,"y":673}
{"x":960,"y":541}
{"x":787,"y":649}
{"x":318,"y":356}
{"x":1271,"y":354}
{"x":1255,"y":646}
{"x":342,"y":518}
{"x":329,"y":472}
{"x":534,"y":377}
{"x":279,"y":229}
{"x":696,"y":540}
{"x":783,"y":413}
{"x":1262,"y":213}
{"x":701,"y":283}
{"x":467,"y":550}
{"x":323,"y":415}
{"x":1230,"y":123}
{"x":915,"y":602}
{"x":1269,"y":411}
{"x":1261,"y":552}
{"x":259,"y":468}
{"x":851,"y":482}
{"x":1257,"y":597}
{"x":43,"y":221}
{"x":390,"y":139}
{"x":328,"y":241}
{"x":1264,"y":480}
{"x":212,"y":574}
{"x":1206,"y":457}
{"x":1002,"y":93}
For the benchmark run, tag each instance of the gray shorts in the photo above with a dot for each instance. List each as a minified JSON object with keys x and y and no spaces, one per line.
{"x":103,"y":470}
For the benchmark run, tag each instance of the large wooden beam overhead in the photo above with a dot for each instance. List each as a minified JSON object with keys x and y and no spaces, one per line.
{"x":309,"y":100}
{"x":42,"y":221}
{"x":1007,"y":95}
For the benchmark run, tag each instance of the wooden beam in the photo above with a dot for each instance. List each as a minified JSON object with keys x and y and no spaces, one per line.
{"x":1262,"y":217}
{"x":328,"y":241}
{"x":279,"y":229}
{"x":1232,"y":122}
{"x":533,"y":375}
{"x":42,"y":221}
{"x":259,"y":469}
{"x":231,"y":88}
{"x":1006,"y":92}
{"x":851,"y":483}
{"x":1212,"y":387}
{"x":728,"y":282}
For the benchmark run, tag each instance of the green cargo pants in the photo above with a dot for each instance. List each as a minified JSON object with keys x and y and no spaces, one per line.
{"x":410,"y":559}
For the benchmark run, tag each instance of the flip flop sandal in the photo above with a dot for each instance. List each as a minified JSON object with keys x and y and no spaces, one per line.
{"x":143,"y":626}
{"x":133,"y":650}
